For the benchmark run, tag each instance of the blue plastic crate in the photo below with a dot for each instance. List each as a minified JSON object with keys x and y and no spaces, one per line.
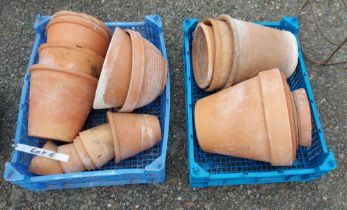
{"x":146,"y":167}
{"x":206,"y":169}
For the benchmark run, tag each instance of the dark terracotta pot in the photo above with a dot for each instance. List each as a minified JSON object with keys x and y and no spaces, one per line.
{"x":79,"y":30}
{"x":71,"y":58}
{"x":59,"y":102}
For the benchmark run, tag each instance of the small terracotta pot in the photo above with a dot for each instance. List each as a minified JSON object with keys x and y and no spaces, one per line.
{"x":114,"y":80}
{"x":304,"y":117}
{"x":249,"y":120}
{"x":133,"y":133}
{"x":59,"y":102}
{"x":71,"y":58}
{"x":223,"y":53}
{"x":137,"y":72}
{"x":203,"y":52}
{"x":79,"y":30}
{"x":154,"y":77}
{"x":46,"y":166}
{"x":98,"y":142}
{"x":83,"y":154}
{"x":74,"y":164}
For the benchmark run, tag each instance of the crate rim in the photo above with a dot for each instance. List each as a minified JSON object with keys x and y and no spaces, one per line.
{"x":196,"y":171}
{"x":11,"y":173}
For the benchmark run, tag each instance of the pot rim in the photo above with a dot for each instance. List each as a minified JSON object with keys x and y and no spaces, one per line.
{"x":113,"y":126}
{"x":63,"y":13}
{"x":82,"y":22}
{"x":210,"y":55}
{"x":218,"y":52}
{"x":137,"y":72}
{"x":72,"y":47}
{"x":58,"y":69}
{"x":80,"y":149}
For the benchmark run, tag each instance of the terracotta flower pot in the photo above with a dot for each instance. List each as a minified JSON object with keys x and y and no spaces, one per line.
{"x":241,"y":52}
{"x":79,"y":30}
{"x":114,"y":80}
{"x":98,"y":142}
{"x":71,"y":58}
{"x":223,"y":53}
{"x":203,"y":53}
{"x":83,"y":154}
{"x":133,"y":133}
{"x":133,"y":75}
{"x":45,"y":166}
{"x":74,"y":164}
{"x":254,"y":119}
{"x":304,"y":117}
{"x":154,"y":77}
{"x":59,"y":102}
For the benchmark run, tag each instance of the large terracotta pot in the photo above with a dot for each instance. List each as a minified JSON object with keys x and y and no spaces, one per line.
{"x":71,"y":58}
{"x":130,"y":78}
{"x":255,"y":119}
{"x":59,"y":102}
{"x":74,"y":164}
{"x":46,"y":166}
{"x":98,"y":142}
{"x":133,"y":133}
{"x":240,"y":52}
{"x":79,"y":30}
{"x":114,"y":80}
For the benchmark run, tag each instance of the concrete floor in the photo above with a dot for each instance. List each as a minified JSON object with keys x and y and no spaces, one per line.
{"x":329,"y":86}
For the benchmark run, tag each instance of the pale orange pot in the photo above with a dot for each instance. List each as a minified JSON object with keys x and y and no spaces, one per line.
{"x":74,"y":164}
{"x":137,"y":72}
{"x":133,"y":133}
{"x":46,"y":166}
{"x":83,"y":154}
{"x":255,"y":119}
{"x":304,"y":117}
{"x":98,"y":142}
{"x":242,"y":49}
{"x":79,"y":30}
{"x":203,"y":52}
{"x":154,"y":76}
{"x":59,"y":102}
{"x":71,"y":58}
{"x":114,"y":81}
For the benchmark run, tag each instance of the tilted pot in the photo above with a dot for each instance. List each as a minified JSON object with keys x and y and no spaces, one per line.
{"x":130,"y":78}
{"x":98,"y":142}
{"x":83,"y":154}
{"x":253,"y":48}
{"x":114,"y":80}
{"x":59,"y":102}
{"x":74,"y":164}
{"x":255,"y":119}
{"x":79,"y":30}
{"x":71,"y":58}
{"x":46,"y":166}
{"x":133,"y":133}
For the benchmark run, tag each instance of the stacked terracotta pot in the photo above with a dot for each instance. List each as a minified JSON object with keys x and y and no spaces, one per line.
{"x":226,"y":51}
{"x":124,"y":136}
{"x":63,"y":83}
{"x":63,"y":86}
{"x":139,"y":69}
{"x":255,"y":116}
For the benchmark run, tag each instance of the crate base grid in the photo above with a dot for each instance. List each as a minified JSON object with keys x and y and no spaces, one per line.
{"x":206,"y":169}
{"x":146,"y":167}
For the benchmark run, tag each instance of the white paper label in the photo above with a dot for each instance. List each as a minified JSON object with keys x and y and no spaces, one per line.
{"x":41,"y":152}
